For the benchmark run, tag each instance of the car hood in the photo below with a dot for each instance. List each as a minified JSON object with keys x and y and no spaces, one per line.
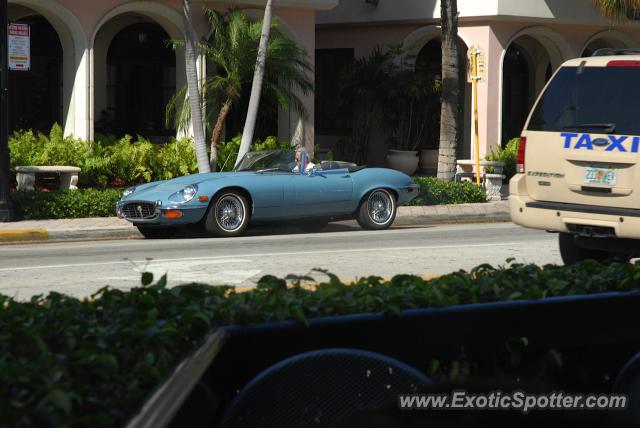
{"x":159,"y":190}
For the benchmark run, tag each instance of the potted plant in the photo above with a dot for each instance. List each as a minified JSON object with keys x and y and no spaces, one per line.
{"x":410,"y":116}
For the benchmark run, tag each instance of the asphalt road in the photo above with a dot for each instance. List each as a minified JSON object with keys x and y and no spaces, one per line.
{"x":81,"y":268}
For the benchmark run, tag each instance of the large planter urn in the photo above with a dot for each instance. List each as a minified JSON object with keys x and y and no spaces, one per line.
{"x":429,"y":161}
{"x":492,"y":186}
{"x":403,"y":160}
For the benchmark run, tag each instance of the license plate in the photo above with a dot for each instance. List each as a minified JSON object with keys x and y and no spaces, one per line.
{"x":599,"y":175}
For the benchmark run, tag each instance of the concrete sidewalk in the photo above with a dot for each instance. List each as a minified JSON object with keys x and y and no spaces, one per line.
{"x":115,"y":228}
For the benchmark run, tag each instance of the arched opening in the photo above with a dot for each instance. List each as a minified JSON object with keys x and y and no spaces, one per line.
{"x":429,"y":60}
{"x":515,"y":93}
{"x":140,"y":80}
{"x":527,"y":66}
{"x":35,"y":95}
{"x":608,"y":40}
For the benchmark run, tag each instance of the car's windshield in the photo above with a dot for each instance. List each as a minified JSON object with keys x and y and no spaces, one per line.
{"x":270,"y":160}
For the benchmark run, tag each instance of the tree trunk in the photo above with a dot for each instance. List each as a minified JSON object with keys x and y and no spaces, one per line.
{"x":190,"y":55}
{"x":449,"y":117}
{"x":256,"y":88}
{"x":217,"y":131}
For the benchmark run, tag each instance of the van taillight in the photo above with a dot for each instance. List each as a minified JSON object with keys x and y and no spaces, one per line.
{"x":520,"y":159}
{"x":623,"y":63}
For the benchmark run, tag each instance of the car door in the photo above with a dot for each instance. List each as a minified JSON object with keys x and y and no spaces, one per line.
{"x":271,"y":192}
{"x":322,"y":192}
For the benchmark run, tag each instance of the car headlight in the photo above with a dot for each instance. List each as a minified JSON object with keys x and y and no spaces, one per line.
{"x":184,"y":195}
{"x":128,"y":192}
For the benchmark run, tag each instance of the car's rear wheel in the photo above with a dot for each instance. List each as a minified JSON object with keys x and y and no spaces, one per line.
{"x":156,"y":232}
{"x":228,"y":215}
{"x":572,"y":253}
{"x":377,"y":210}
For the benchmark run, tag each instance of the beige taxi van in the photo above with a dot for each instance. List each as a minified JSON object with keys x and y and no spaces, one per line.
{"x":578,"y":159}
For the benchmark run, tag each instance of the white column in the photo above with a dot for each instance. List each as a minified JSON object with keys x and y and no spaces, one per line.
{"x":79,"y":119}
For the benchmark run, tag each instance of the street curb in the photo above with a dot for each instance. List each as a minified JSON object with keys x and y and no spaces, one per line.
{"x":94,"y":234}
{"x":417,"y":220}
{"x":24,"y":235}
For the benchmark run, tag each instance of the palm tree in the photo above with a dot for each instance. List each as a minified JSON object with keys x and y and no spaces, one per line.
{"x":616,"y":9}
{"x":232,"y":49}
{"x":193,"y":88}
{"x":449,"y":117}
{"x":256,"y":88}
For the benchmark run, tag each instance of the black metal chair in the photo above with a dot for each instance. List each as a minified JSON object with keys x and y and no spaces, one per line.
{"x":321,"y":389}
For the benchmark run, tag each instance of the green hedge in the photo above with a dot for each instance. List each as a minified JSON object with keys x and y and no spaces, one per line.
{"x":70,"y":362}
{"x":80,"y":203}
{"x":434,"y":191}
{"x":121,"y":161}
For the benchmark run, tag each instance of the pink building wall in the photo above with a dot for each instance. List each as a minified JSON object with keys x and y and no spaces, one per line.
{"x":85,"y":29}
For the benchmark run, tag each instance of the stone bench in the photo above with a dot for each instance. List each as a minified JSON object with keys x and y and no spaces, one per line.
{"x":26,"y":176}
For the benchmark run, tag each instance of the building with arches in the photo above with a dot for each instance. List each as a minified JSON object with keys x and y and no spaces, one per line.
{"x":105,"y":66}
{"x":524,"y":42}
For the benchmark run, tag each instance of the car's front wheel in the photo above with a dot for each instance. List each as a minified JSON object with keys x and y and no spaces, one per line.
{"x":377,"y":210}
{"x":228,"y":215}
{"x":156,"y":232}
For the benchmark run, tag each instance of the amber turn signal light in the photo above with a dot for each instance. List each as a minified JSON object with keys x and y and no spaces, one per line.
{"x":173,"y":214}
{"x":203,"y":198}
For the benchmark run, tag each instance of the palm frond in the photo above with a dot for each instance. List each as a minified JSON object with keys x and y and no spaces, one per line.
{"x":616,"y":9}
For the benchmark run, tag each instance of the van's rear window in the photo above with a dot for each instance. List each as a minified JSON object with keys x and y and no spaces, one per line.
{"x":590,"y":99}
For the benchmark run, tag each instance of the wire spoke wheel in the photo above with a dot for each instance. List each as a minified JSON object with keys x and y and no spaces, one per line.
{"x":377,"y":210}
{"x":380,"y":207}
{"x":229,"y":213}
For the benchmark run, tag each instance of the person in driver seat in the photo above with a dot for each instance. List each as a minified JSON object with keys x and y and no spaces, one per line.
{"x":301,"y":156}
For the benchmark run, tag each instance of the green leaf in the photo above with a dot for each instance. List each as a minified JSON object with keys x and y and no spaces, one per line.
{"x":60,"y":399}
{"x":147,"y":278}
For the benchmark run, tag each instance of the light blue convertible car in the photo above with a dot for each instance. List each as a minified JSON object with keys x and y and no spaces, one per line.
{"x":265,"y":188}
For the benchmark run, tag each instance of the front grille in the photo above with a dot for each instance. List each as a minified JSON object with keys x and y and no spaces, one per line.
{"x":139,"y":210}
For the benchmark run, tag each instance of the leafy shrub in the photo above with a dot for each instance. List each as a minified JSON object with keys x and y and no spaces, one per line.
{"x":175,"y":159}
{"x":508,"y":155}
{"x":66,"y":204}
{"x":28,"y":148}
{"x":434,"y":191}
{"x":93,"y":362}
{"x":228,"y":151}
{"x":106,"y":160}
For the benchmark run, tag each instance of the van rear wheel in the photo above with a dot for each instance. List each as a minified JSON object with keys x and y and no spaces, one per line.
{"x":572,"y":253}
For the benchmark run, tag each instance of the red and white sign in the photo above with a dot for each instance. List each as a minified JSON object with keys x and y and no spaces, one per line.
{"x":19,"y":38}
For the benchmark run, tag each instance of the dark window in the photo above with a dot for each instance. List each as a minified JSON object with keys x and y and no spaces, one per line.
{"x":141,"y":71}
{"x":35,"y":96}
{"x":331,"y":117}
{"x":515,"y":89}
{"x":590,"y":96}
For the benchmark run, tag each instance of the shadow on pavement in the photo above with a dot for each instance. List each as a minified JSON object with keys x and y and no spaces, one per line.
{"x":283,"y":229}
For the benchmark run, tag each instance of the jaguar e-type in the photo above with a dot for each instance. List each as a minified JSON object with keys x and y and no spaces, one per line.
{"x":265,"y":187}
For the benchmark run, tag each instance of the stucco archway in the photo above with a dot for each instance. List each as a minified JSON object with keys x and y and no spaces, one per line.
{"x":73,"y":41}
{"x":608,"y":39}
{"x":112,"y":24}
{"x":528,"y":61}
{"x":415,"y":45}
